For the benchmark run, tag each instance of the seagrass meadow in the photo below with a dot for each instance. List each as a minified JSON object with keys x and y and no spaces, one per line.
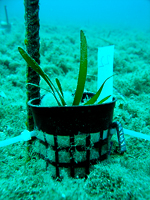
{"x":124,"y":177}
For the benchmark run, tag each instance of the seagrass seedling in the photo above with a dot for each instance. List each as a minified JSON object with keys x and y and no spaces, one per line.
{"x":58,"y":92}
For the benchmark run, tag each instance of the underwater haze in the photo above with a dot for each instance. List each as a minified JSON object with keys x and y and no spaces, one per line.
{"x":122,"y":23}
{"x":130,"y":13}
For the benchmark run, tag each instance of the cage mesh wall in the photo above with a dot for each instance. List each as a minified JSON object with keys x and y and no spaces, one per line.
{"x":73,"y":154}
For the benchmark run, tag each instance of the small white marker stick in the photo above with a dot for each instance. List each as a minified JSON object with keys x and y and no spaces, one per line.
{"x":105,"y":70}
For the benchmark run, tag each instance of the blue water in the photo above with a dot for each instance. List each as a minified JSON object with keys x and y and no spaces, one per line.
{"x":130,"y":13}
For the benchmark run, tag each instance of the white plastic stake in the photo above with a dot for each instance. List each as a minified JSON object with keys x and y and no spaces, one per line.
{"x":105,"y":70}
{"x":24,"y":136}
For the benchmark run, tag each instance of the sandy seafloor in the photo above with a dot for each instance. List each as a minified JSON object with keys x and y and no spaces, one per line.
{"x":123,"y":176}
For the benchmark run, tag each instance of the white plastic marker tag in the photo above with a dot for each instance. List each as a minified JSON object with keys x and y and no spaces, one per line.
{"x":105,"y":70}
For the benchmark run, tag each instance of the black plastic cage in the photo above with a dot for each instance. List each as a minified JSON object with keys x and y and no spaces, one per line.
{"x":74,"y":138}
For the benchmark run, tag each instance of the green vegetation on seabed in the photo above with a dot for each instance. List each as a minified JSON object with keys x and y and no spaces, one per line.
{"x":81,"y":78}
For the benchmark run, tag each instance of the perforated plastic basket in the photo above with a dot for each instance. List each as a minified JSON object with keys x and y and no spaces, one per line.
{"x":72,"y":138}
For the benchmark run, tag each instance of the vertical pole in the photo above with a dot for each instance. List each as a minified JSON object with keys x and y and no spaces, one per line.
{"x":8,"y":25}
{"x":32,"y":47}
{"x":6,"y":15}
